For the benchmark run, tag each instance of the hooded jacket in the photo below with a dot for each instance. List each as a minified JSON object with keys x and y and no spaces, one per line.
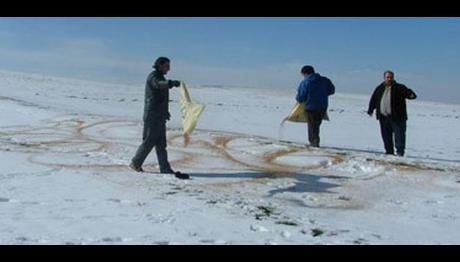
{"x":399,"y":94}
{"x":314,"y":91}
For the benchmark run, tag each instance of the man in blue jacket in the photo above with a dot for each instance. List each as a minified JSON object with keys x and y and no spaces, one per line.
{"x":314,"y":91}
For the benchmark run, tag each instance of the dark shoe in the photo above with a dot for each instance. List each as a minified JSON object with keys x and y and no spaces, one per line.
{"x":176,"y":174}
{"x":400,"y":153}
{"x":181,"y":175}
{"x":135,"y":168}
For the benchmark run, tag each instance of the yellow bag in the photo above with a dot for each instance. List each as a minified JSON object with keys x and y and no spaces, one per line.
{"x":297,"y":114}
{"x":190,"y":113}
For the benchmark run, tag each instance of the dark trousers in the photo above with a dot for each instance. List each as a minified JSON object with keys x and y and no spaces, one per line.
{"x":388,"y":128}
{"x":154,"y":135}
{"x":314,"y":119}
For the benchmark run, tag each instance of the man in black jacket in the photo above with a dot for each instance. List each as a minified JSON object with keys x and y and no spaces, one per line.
{"x":156,"y":113}
{"x":389,"y":100}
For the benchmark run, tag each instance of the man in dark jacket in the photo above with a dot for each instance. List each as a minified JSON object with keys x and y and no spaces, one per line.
{"x":156,"y":113}
{"x":389,"y":101}
{"x":314,"y":91}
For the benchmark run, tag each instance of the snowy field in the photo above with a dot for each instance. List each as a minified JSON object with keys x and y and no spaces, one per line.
{"x":65,"y":145}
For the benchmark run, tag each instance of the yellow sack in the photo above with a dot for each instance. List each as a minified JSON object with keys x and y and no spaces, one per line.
{"x":297,"y":114}
{"x":190,"y":113}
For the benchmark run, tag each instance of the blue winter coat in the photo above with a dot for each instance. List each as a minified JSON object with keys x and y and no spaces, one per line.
{"x":314,"y":91}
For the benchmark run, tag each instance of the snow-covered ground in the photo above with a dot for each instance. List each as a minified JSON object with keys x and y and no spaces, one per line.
{"x":65,"y":145}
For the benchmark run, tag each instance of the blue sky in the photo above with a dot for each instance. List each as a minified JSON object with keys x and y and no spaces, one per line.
{"x":257,"y":52}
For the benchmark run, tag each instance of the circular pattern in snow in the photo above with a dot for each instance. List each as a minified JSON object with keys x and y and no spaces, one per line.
{"x":109,"y":143}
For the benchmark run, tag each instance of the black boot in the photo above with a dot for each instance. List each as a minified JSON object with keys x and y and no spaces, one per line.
{"x":135,"y":168}
{"x":176,"y":173}
{"x":181,"y":175}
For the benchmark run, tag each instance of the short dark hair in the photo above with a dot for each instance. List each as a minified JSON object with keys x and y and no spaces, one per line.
{"x":160,"y":61}
{"x":389,"y":72}
{"x":308,"y":69}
